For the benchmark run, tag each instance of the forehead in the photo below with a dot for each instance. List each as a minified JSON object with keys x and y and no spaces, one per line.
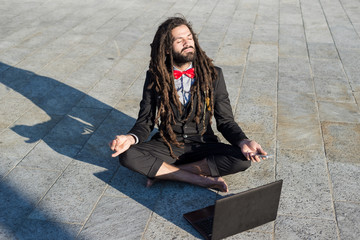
{"x":180,"y":32}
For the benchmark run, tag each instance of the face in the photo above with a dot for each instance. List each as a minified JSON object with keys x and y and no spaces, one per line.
{"x":183,"y":45}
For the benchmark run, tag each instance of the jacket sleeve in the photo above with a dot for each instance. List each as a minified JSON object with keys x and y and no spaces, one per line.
{"x":146,"y":117}
{"x":223,"y":113}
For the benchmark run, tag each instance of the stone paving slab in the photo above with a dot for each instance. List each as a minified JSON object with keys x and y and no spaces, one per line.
{"x":71,"y":78}
{"x":288,"y":227}
{"x":113,"y":217}
{"x":304,"y":195}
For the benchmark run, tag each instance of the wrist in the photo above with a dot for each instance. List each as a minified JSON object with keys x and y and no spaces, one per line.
{"x":131,"y":139}
{"x":135,"y":137}
{"x":246,"y":140}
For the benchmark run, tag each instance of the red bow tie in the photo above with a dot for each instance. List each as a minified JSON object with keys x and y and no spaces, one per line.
{"x":190,"y":73}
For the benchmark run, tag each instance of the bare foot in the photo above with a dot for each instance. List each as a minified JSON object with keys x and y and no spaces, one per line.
{"x":217,"y":183}
{"x":150,"y":182}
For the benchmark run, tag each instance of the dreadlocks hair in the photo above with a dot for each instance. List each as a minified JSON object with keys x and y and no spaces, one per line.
{"x":161,"y":69}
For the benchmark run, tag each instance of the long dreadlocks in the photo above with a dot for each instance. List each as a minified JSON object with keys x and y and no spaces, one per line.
{"x":161,"y":68}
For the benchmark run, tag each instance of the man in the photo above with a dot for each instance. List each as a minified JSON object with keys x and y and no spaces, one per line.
{"x":183,"y":90}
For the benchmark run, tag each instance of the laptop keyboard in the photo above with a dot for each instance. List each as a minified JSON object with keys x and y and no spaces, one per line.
{"x":206,"y":225}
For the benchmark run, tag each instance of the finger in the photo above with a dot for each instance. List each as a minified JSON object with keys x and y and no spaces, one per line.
{"x":252,"y":157}
{"x":117,"y":153}
{"x":266,"y":157}
{"x":119,"y":150}
{"x":119,"y":139}
{"x":260,"y":150}
{"x":248,"y":156}
{"x":113,"y":145}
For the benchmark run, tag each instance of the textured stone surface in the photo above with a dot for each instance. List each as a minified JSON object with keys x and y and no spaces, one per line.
{"x":256,"y":118}
{"x":37,"y":229}
{"x":299,"y":136}
{"x":55,"y":156}
{"x":339,"y":112}
{"x":304,"y":228}
{"x":322,"y":50}
{"x":294,"y":67}
{"x":13,"y":148}
{"x":71,"y":78}
{"x":333,"y":89}
{"x":175,"y":200}
{"x":22,"y":189}
{"x":351,"y":60}
{"x":339,"y":139}
{"x":348,"y":216}
{"x":297,"y":108}
{"x":77,"y":126}
{"x":113,"y":217}
{"x":73,"y":196}
{"x":302,"y":194}
{"x":345,"y":178}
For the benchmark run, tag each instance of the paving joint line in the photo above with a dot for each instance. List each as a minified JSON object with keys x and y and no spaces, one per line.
{"x":330,"y":184}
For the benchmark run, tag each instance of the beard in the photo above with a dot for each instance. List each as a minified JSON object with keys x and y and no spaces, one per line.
{"x":180,"y":58}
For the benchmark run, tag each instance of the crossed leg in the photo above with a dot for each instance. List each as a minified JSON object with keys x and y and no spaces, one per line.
{"x":152,"y":159}
{"x":197,"y":173}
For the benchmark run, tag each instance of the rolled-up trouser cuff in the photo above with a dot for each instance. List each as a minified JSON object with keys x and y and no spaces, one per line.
{"x":212,"y":166}
{"x":155,"y":168}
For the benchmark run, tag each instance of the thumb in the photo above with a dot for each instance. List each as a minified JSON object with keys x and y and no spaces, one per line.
{"x":261,"y":151}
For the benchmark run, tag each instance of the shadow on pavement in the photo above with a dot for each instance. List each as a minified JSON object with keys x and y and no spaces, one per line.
{"x":77,"y":126}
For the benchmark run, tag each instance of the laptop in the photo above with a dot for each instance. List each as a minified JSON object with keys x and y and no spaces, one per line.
{"x":238,"y":212}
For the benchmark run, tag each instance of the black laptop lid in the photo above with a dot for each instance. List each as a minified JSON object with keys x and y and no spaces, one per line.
{"x":246,"y":210}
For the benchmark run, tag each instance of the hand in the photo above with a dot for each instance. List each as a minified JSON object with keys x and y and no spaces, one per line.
{"x":121,"y":143}
{"x":250,"y":149}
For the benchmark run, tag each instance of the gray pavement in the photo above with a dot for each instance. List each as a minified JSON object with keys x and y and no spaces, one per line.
{"x":71,"y":76}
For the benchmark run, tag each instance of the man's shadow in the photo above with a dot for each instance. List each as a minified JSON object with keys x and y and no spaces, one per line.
{"x":79,"y":126}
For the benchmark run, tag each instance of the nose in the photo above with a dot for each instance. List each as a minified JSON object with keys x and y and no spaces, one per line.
{"x":186,"y":43}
